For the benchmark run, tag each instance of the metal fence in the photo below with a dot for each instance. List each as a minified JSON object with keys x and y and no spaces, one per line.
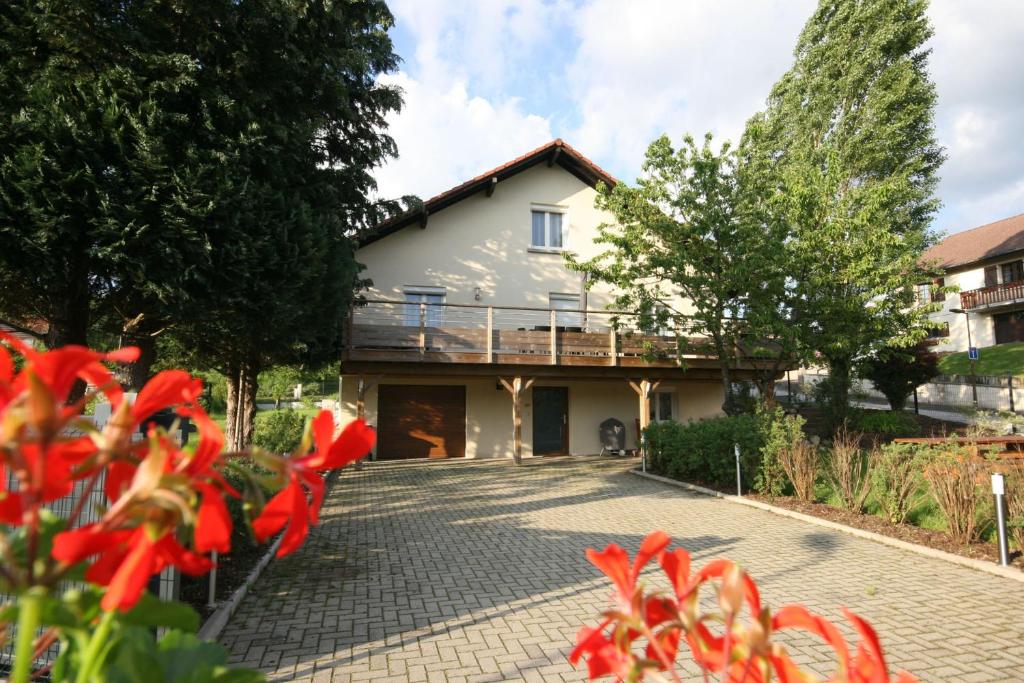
{"x":959,"y":394}
{"x":169,"y":580}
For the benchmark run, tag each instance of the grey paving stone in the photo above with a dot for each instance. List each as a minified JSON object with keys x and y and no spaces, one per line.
{"x":476,"y":571}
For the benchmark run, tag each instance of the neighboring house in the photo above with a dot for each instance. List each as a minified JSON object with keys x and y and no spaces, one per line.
{"x":474,"y":324}
{"x":987,"y":264}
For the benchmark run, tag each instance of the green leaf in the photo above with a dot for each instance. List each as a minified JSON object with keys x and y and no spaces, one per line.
{"x":152,"y":611}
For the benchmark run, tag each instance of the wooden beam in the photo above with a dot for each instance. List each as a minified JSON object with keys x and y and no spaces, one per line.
{"x":517,"y":388}
{"x":423,"y":329}
{"x":423,"y":218}
{"x":613,"y":345}
{"x":554,"y":156}
{"x":491,"y":185}
{"x":490,"y":334}
{"x":554,"y":338}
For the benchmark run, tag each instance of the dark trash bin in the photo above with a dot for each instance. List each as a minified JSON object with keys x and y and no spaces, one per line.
{"x":613,"y":436}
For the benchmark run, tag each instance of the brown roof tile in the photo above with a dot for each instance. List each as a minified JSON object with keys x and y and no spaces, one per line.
{"x":978,"y":244}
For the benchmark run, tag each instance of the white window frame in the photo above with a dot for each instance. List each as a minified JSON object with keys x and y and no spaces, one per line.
{"x":548,"y":210}
{"x":566,"y":317}
{"x":417,"y":294}
{"x":656,"y":405}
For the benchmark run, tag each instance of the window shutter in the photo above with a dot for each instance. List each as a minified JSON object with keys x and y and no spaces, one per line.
{"x":990,"y":276}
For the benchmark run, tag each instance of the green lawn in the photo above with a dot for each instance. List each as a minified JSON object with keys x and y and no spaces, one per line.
{"x":1005,"y":359}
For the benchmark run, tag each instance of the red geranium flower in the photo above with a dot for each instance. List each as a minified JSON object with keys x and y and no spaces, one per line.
{"x":127,"y":559}
{"x":288,"y":508}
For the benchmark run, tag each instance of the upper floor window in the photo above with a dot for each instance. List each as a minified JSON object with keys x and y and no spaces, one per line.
{"x":433,"y":312}
{"x":548,"y":228}
{"x":1012,"y":271}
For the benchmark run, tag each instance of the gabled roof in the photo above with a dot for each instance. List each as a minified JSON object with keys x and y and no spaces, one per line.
{"x":555,"y":152}
{"x":979,"y":244}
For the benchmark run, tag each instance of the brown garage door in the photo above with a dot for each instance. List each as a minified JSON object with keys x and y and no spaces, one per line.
{"x":416,"y":421}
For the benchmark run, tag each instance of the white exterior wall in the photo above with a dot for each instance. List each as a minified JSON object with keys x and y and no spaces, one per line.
{"x":485,"y":242}
{"x":489,"y":410}
{"x":982,"y":325}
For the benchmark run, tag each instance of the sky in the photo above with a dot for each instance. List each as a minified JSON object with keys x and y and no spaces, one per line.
{"x":485,"y":81}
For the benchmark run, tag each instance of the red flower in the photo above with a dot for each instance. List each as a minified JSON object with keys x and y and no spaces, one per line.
{"x":127,"y":559}
{"x":603,"y":657}
{"x":288,"y":507}
{"x":613,"y":561}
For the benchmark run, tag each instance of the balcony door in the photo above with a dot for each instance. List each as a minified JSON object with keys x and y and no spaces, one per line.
{"x":568,"y":310}
{"x":550,"y":420}
{"x":414,"y":296}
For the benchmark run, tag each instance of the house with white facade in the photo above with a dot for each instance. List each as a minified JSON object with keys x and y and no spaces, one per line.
{"x":475,"y":340}
{"x":987,"y":265}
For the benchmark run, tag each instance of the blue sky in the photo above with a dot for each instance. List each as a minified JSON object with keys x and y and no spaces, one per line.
{"x":487,"y":80}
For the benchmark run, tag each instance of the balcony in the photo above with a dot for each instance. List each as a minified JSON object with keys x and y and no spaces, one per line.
{"x":397,"y":331}
{"x":991,"y":297}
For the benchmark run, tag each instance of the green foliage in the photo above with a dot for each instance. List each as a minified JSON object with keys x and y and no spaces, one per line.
{"x":780,"y":432}
{"x":279,"y":431}
{"x":847,"y":157}
{"x":1004,"y":359}
{"x":897,"y":372}
{"x":278,"y":382}
{"x":896,"y":480}
{"x":889,"y":423}
{"x":703,"y":451}
{"x":681,"y":232}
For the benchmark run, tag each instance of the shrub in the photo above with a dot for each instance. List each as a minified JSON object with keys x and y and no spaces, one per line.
{"x":800,"y":460}
{"x":1015,"y":503}
{"x":953,"y":473}
{"x":898,"y":372}
{"x":848,"y":469}
{"x":780,"y":432}
{"x":278,"y":431}
{"x":703,"y":451}
{"x":889,"y":423}
{"x":896,"y":476}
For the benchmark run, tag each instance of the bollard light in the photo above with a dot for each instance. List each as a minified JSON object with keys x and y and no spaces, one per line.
{"x":739,"y":489}
{"x":999,"y":491}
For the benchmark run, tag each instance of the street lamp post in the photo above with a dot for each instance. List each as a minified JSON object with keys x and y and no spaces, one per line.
{"x":970,"y":356}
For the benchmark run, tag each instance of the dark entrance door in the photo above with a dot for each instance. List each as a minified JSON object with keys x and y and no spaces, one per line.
{"x":1009,"y":327}
{"x":550,"y":420}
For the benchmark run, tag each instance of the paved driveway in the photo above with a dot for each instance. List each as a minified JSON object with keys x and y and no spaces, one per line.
{"x":475,"y":571}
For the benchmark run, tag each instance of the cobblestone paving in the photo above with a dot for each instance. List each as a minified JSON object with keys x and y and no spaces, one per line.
{"x":475,"y":571}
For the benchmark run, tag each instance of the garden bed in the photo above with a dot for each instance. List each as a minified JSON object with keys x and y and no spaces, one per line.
{"x":931,"y":538}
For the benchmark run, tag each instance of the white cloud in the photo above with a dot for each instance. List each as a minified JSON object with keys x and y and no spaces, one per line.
{"x":977,"y":52}
{"x":651,"y":67}
{"x":487,"y":80}
{"x":445,"y":137}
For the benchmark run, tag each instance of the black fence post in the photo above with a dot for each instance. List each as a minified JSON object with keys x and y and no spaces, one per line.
{"x":1009,"y":385}
{"x":917,"y":410}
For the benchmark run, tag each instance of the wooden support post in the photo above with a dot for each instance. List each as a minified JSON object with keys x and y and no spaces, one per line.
{"x":517,"y":388}
{"x":554,"y":338}
{"x":423,"y":329}
{"x":644,"y":390}
{"x":490,"y":334}
{"x":350,"y":332}
{"x":613,"y":345}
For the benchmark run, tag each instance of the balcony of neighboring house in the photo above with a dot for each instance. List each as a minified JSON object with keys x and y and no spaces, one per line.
{"x":995,"y":296}
{"x":385,"y":331}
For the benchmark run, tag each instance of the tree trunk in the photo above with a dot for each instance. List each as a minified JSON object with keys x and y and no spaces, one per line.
{"x":728,"y":404}
{"x":135,"y":375}
{"x":70,"y":325}
{"x":230,"y":428}
{"x":246,"y":418}
{"x":839,"y":371}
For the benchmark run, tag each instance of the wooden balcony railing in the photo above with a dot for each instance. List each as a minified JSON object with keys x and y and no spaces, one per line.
{"x":992,"y":296}
{"x":383,"y":330}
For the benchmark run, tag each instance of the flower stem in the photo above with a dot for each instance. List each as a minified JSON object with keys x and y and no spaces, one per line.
{"x":30,"y":609}
{"x":90,"y":661}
